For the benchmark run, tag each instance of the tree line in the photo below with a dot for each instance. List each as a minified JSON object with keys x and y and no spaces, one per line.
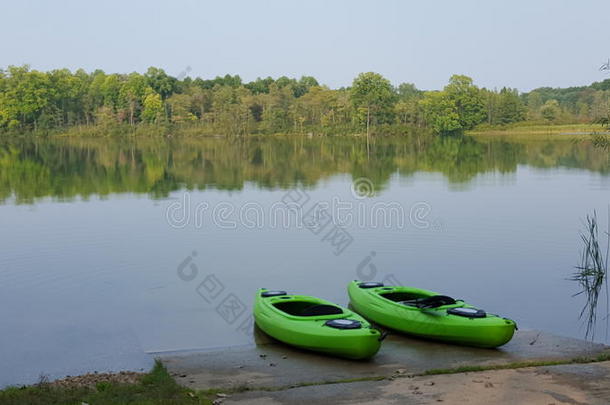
{"x":35,"y":100}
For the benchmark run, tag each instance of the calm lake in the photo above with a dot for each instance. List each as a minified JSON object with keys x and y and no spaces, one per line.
{"x":114,"y":250}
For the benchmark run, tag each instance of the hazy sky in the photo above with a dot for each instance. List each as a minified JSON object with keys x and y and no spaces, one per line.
{"x":522,"y":44}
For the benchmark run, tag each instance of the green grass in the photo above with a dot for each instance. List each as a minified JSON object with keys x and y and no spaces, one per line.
{"x":531,"y":130}
{"x":525,"y":129}
{"x":155,"y":388}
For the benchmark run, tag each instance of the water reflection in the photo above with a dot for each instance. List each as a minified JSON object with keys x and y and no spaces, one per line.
{"x":98,"y":283}
{"x":65,"y":168}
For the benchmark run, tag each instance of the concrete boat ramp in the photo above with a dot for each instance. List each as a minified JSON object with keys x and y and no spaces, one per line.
{"x":535,"y":367}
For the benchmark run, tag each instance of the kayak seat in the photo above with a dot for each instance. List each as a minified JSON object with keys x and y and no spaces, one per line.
{"x":317,"y":310}
{"x":434,"y":301}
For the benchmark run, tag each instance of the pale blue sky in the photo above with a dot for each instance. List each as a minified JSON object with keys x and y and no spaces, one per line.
{"x":523,"y":44}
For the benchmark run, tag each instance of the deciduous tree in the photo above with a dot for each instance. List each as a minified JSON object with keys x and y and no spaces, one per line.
{"x":372,"y":93}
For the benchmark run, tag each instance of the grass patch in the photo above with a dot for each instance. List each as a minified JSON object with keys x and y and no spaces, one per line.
{"x":155,"y":388}
{"x":539,"y":131}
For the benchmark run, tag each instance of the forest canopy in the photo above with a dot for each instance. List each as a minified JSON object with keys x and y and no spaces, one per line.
{"x":32,"y":100}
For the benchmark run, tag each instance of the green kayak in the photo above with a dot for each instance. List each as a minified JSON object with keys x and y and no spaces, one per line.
{"x":429,"y":315}
{"x":315,"y":324}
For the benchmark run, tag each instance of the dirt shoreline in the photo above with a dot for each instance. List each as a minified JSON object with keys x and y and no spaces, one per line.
{"x":90,"y":380}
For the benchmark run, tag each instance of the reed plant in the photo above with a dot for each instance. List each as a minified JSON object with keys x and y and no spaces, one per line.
{"x":592,"y":273}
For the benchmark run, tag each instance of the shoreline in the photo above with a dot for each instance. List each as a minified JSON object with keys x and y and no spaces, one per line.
{"x":271,"y":372}
{"x":272,"y":365}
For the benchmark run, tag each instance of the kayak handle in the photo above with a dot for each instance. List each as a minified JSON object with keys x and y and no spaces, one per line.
{"x":383,"y":336}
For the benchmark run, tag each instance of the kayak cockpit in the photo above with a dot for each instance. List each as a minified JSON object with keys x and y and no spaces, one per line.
{"x":402,"y":296}
{"x":419,"y":299}
{"x":307,"y":308}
